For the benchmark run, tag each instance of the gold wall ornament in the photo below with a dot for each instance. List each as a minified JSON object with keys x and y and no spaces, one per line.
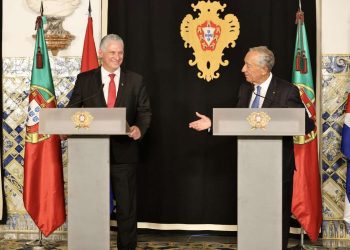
{"x":258,"y":120}
{"x":209,"y":35}
{"x":82,"y":119}
{"x":56,"y":37}
{"x":55,"y":11}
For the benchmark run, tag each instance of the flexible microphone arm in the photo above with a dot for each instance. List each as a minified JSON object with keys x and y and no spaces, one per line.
{"x":86,"y":98}
{"x":270,"y":100}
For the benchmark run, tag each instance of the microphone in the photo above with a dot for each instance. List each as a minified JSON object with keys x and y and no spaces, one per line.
{"x":309,"y":123}
{"x":279,"y":105}
{"x":71,"y":105}
{"x":263,"y":96}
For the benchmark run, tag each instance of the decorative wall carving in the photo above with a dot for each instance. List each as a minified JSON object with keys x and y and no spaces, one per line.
{"x":55,"y":11}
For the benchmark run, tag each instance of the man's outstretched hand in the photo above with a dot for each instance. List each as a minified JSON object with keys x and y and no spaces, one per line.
{"x":201,"y":124}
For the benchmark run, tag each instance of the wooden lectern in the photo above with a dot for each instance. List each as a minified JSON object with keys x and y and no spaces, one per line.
{"x":259,"y":172}
{"x":88,"y":169}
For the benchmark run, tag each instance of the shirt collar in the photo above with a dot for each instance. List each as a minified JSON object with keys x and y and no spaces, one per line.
{"x":106,"y":73}
{"x":265,"y":84}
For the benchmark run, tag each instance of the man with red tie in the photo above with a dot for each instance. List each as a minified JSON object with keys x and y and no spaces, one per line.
{"x":110,"y":86}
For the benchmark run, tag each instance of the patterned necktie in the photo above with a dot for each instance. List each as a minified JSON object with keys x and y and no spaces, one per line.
{"x":255,"y":103}
{"x":111,"y":92}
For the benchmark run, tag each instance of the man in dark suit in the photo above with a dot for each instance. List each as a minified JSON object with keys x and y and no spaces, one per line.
{"x":264,"y":90}
{"x":110,"y":86}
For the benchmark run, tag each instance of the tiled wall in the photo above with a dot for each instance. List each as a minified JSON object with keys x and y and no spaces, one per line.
{"x":16,"y":82}
{"x":334,"y":87}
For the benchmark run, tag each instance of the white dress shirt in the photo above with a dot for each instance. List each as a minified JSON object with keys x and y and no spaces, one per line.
{"x":106,"y":79}
{"x":264,"y":86}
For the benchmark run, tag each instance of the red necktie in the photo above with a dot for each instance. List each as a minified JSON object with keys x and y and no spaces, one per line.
{"x":111,"y":92}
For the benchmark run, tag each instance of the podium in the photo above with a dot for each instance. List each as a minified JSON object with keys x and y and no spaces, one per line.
{"x":259,"y":170}
{"x":88,"y":169}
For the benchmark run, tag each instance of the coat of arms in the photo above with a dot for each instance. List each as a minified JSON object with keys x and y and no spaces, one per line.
{"x":82,"y":119}
{"x":258,"y":120}
{"x":209,"y":35}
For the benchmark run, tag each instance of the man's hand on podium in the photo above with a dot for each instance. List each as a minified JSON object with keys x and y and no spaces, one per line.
{"x":201,"y":124}
{"x":134,"y":133}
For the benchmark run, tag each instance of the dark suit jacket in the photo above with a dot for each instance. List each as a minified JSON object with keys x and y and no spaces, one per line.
{"x":88,"y":92}
{"x":280,"y":94}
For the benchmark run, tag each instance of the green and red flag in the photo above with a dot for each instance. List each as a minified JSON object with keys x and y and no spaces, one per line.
{"x":307,"y":200}
{"x":43,"y":190}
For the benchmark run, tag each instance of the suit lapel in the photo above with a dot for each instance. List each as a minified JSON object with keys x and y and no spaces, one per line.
{"x":121,"y":90}
{"x":270,"y":94}
{"x":98,"y":79}
{"x":245,"y":95}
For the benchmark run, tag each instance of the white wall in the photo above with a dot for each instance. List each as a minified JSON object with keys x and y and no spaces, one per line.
{"x":19,"y":23}
{"x":335,"y":26}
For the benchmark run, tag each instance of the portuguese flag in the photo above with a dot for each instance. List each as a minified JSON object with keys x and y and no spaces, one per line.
{"x":43,"y":191}
{"x":307,"y":201}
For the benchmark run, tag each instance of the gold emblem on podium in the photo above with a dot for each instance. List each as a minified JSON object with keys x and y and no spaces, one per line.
{"x":209,"y":35}
{"x":82,"y":119}
{"x":258,"y":120}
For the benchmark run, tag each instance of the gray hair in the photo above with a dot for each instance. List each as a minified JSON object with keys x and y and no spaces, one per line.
{"x":110,"y":37}
{"x":266,"y":57}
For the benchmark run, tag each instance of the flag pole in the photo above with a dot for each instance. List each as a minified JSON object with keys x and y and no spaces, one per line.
{"x":302,"y":237}
{"x":89,"y":8}
{"x":301,"y":228}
